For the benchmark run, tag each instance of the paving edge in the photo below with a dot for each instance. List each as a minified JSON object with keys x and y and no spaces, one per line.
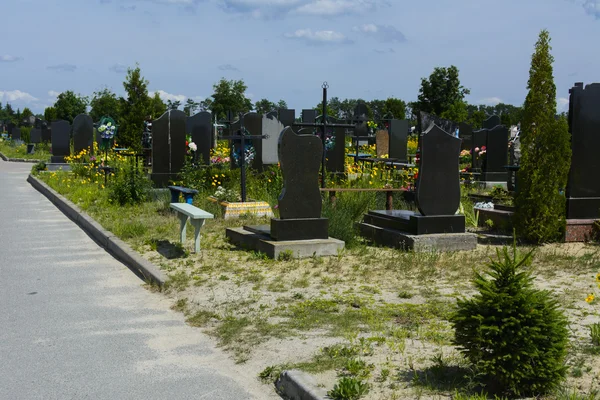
{"x":298,"y":385}
{"x":115,"y":246}
{"x":2,"y":156}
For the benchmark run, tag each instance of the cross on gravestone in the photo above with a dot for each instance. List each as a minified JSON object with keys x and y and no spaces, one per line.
{"x":83,"y":133}
{"x":438,"y":183}
{"x":240,"y":136}
{"x":583,"y":186}
{"x":271,"y":129}
{"x":252,"y":127}
{"x":201,"y":129}
{"x":168,"y":146}
{"x":61,"y":141}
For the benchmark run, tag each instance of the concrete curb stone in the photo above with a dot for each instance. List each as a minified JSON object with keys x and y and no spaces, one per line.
{"x":119,"y":249}
{"x":298,"y":385}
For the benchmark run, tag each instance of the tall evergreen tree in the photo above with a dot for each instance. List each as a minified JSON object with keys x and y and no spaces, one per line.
{"x":545,"y":154}
{"x":134,"y":109}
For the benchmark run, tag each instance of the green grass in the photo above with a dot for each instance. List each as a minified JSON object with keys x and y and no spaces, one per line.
{"x":42,"y":151}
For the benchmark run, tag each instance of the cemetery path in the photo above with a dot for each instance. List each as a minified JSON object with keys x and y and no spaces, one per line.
{"x":76,"y":324}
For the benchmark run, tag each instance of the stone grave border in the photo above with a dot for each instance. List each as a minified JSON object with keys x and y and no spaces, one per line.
{"x":120,"y":250}
{"x":25,"y":160}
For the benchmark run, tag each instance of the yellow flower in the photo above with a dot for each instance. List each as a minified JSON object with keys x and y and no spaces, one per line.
{"x":590,"y":298}
{"x":598,"y":277}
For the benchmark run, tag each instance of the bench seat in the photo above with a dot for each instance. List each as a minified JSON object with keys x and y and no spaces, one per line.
{"x":196,"y":216}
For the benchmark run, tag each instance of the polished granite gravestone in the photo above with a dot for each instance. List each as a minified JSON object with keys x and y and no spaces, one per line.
{"x":46,"y":127}
{"x":83,"y":133}
{"x":398,"y":130}
{"x":271,"y":128}
{"x":272,"y":114}
{"x":168,"y":147}
{"x":336,"y":156}
{"x":16,"y":134}
{"x":253,"y":127}
{"x":382,"y":143}
{"x":61,"y":141}
{"x":427,"y":120}
{"x":287,"y":117}
{"x":492,"y":122}
{"x":309,"y":116}
{"x":300,"y":230}
{"x":435,"y":226}
{"x":35,"y":136}
{"x":496,"y":154}
{"x":200,"y":127}
{"x":583,"y":186}
{"x":465,"y":132}
{"x":9,"y":128}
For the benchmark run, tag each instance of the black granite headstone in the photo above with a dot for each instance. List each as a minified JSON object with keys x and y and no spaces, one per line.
{"x":16,"y":133}
{"x":272,"y":114}
{"x":309,"y":116}
{"x":253,"y":126}
{"x":496,"y":157}
{"x":398,"y":130}
{"x":465,"y":132}
{"x":61,"y":141}
{"x":46,"y":131}
{"x":426,"y":120}
{"x":35,"y":136}
{"x":9,"y":128}
{"x":583,"y":187}
{"x":491,"y":122}
{"x":83,"y":133}
{"x":168,"y":146}
{"x":479,"y":140}
{"x":287,"y":117}
{"x":361,"y":112}
{"x":438,"y":184}
{"x":200,"y":128}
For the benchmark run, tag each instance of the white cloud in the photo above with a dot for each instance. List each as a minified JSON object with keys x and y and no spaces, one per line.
{"x":53,"y":93}
{"x":8,"y":58}
{"x":592,"y":7}
{"x":168,"y":96}
{"x":16,"y":95}
{"x":269,"y":8}
{"x":62,"y":67}
{"x":562,"y":104}
{"x":318,"y":37}
{"x":490,"y":101}
{"x":338,"y":7}
{"x":382,"y":33}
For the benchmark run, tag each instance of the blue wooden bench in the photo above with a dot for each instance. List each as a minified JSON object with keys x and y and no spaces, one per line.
{"x":196,"y":216}
{"x":188,"y":194}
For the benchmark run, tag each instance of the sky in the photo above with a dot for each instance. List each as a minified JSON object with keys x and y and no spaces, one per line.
{"x":286,"y":49}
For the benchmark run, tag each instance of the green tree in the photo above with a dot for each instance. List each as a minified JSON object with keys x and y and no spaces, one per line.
{"x":545,"y":154}
{"x":441,"y":92}
{"x":173,"y":105}
{"x":50,"y":114}
{"x":134,"y":109}
{"x":282,"y":105}
{"x":157,"y":107}
{"x":394,"y":108}
{"x":25,"y":115}
{"x":264,"y":106}
{"x":457,"y":112}
{"x":190,"y":106}
{"x":68,"y":105}
{"x":104,"y":104}
{"x":229,"y":95}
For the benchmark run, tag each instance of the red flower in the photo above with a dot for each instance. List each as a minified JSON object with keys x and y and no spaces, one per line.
{"x":187,"y":143}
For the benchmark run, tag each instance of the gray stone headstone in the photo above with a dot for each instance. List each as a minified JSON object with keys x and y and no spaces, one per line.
{"x":271,"y":127}
{"x":398,"y":130}
{"x":16,"y":133}
{"x":287,"y":117}
{"x":201,"y":129}
{"x":309,"y":116}
{"x":491,"y":122}
{"x":35,"y":136}
{"x":465,"y":132}
{"x":83,"y":133}
{"x":583,"y":187}
{"x":61,"y":141}
{"x":300,"y":158}
{"x":438,"y":184}
{"x":496,"y":157}
{"x":168,"y":146}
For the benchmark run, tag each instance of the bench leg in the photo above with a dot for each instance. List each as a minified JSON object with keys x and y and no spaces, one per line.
{"x":182,"y":225}
{"x":197,"y":225}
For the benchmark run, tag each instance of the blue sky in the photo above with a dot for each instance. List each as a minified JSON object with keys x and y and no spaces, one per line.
{"x":285,"y":49}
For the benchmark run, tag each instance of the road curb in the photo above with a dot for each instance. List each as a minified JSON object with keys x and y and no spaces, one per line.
{"x":115,"y":246}
{"x":298,"y":385}
{"x":2,"y":156}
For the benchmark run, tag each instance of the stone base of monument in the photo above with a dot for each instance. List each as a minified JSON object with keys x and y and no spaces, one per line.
{"x":579,"y":230}
{"x":410,"y":230}
{"x":52,"y":166}
{"x":57,"y":159}
{"x":236,"y":209}
{"x":258,"y":238}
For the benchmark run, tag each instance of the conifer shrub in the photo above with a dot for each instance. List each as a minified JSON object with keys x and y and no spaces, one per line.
{"x":540,"y":203}
{"x":514,"y":334}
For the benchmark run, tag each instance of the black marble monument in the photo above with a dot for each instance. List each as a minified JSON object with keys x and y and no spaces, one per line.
{"x":168,"y":146}
{"x":61,"y":141}
{"x":83,"y":133}
{"x":200,"y":128}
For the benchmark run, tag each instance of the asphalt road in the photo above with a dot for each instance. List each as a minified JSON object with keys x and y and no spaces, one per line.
{"x":77,"y":324}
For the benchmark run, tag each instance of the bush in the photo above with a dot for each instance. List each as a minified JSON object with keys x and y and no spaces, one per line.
{"x":348,"y":208}
{"x":130,"y":185}
{"x":514,"y":335}
{"x":540,"y":214}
